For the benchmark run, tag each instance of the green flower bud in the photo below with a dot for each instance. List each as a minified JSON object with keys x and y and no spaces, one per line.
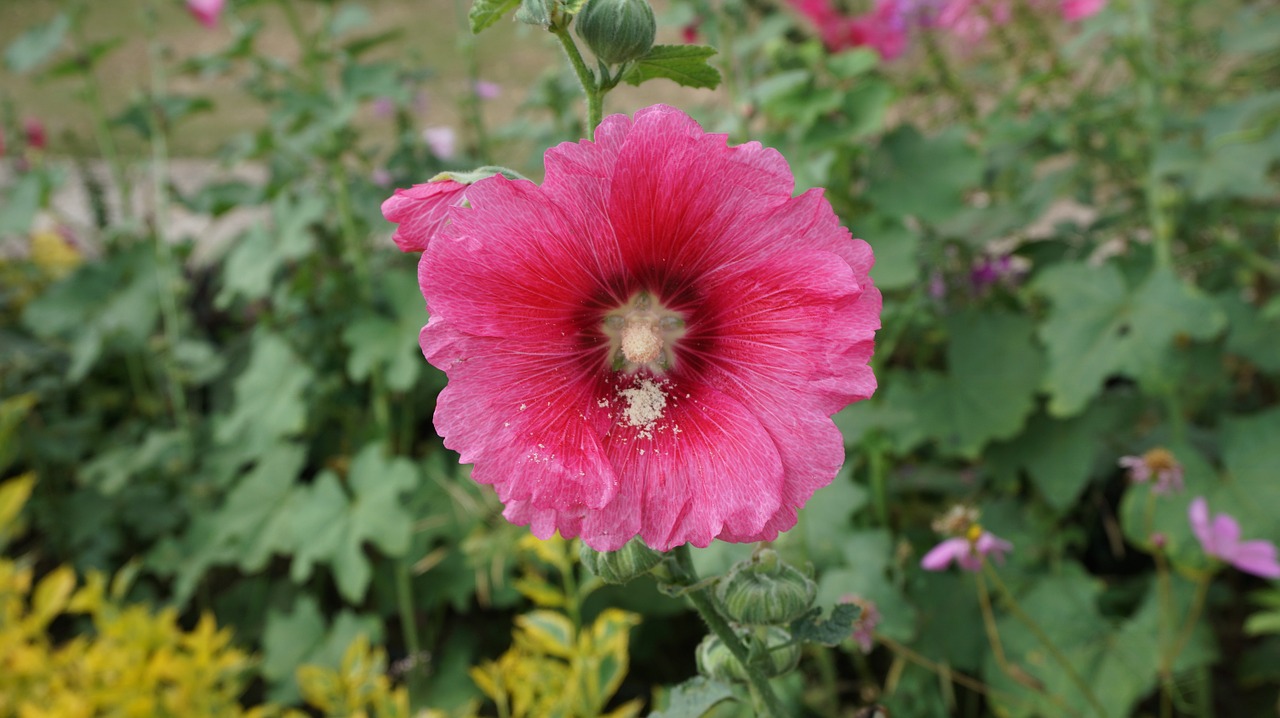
{"x":632,"y":560}
{"x":617,"y":31}
{"x":765,"y":591}
{"x":715,"y":660}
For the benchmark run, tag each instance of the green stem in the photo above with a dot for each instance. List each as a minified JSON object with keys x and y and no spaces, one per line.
{"x":947,"y":78}
{"x":1012,"y":604}
{"x":471,"y":102}
{"x":101,"y":127}
{"x":1193,"y":617}
{"x":408,"y":621}
{"x":166,"y":271}
{"x":704,"y":601}
{"x":595,"y":98}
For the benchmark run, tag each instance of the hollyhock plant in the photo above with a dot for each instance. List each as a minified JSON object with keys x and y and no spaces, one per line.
{"x":1220,"y":537}
{"x":653,"y":341}
{"x":206,"y":11}
{"x":864,"y":629}
{"x":442,"y":141}
{"x":966,"y":551}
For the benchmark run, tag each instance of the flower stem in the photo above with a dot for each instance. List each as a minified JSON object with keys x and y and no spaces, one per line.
{"x":471,"y":102}
{"x":167,"y":277}
{"x":595,"y":97}
{"x":704,"y":601}
{"x":1012,"y":604}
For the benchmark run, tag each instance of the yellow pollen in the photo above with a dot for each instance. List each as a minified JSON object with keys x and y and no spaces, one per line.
{"x":974,"y":533}
{"x":641,"y":342}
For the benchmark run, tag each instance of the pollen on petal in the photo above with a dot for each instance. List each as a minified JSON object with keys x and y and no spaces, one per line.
{"x":645,"y":403}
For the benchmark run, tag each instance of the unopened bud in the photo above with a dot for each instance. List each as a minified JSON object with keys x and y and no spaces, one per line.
{"x":617,"y":31}
{"x":765,"y":591}
{"x":774,"y":655}
{"x":632,"y":560}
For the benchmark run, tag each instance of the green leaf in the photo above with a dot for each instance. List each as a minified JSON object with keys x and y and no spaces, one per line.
{"x":924,"y":177}
{"x":864,"y":572}
{"x":1251,"y":453}
{"x":259,"y":253}
{"x":1098,"y":329}
{"x":327,"y":526}
{"x":685,"y":64}
{"x":37,"y":45}
{"x":1118,"y":663}
{"x":18,"y":212}
{"x":825,"y":520}
{"x":993,"y":371}
{"x":1058,"y":455}
{"x":484,"y":13}
{"x":694,"y":698}
{"x":831,"y":631}
{"x":897,"y":246}
{"x":301,"y":637}
{"x":848,"y":65}
{"x":268,"y":397}
{"x":1251,"y":334}
{"x":376,"y":341}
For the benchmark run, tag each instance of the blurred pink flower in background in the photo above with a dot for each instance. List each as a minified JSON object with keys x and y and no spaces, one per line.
{"x":966,"y":551}
{"x":384,"y":107}
{"x":486,"y":90}
{"x":652,"y":341}
{"x":971,"y":20}
{"x":880,"y":30}
{"x":1158,"y":463}
{"x":37,"y":138}
{"x":421,"y":212}
{"x":1220,"y":537}
{"x":206,"y":11}
{"x":1075,"y":10}
{"x":442,"y":141}
{"x":864,"y":629}
{"x":689,"y":33}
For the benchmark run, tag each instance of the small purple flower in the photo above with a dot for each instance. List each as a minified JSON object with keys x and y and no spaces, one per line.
{"x":486,"y":90}
{"x":967,"y":551}
{"x":381,"y":177}
{"x":1159,"y":463}
{"x":384,"y":107}
{"x":1220,"y":537}
{"x":442,"y":141}
{"x":864,"y":628}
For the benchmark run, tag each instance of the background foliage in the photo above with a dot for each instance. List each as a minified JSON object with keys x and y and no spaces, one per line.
{"x":1076,"y":227}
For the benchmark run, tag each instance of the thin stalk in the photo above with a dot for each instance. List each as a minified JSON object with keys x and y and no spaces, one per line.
{"x":1012,"y":604}
{"x":1193,"y":617}
{"x":408,"y":622}
{"x":166,"y":272}
{"x":101,"y":127}
{"x":703,"y":599}
{"x":471,"y":100}
{"x":947,"y":78}
{"x":595,"y":98}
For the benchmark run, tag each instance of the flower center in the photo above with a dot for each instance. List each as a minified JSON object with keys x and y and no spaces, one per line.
{"x":642,"y":333}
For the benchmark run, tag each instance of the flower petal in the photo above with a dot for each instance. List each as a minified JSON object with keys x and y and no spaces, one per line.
{"x":941,"y":556}
{"x":1257,"y":558}
{"x":421,"y":212}
{"x":1198,"y":514}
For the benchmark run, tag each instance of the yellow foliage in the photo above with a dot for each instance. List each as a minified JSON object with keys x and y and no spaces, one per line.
{"x":554,"y":669}
{"x":139,"y":663}
{"x":360,"y":689}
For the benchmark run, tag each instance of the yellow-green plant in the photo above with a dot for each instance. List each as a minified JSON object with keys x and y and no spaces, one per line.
{"x":556,"y":667}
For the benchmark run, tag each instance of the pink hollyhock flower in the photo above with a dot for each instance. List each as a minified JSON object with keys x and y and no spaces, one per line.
{"x":1220,"y":538}
{"x":967,"y":551}
{"x":689,"y":33}
{"x":651,"y":342}
{"x":1158,"y":462}
{"x":206,"y":11}
{"x":881,"y":30}
{"x":421,"y":211}
{"x":1076,"y":10}
{"x":972,"y":20}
